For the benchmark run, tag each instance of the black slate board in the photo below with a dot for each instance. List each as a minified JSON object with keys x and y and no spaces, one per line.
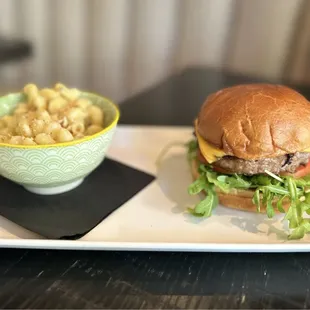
{"x":71,"y":215}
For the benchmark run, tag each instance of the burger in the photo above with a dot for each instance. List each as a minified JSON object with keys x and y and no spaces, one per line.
{"x":251,"y":152}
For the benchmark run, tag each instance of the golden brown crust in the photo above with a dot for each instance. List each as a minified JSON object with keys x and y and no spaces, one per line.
{"x":238,"y":199}
{"x":255,"y":121}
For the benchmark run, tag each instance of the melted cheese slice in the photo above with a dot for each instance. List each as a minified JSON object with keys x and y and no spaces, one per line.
{"x":209,"y":152}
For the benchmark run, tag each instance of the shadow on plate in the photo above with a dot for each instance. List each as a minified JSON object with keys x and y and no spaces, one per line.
{"x":255,"y":223}
{"x":174,"y":177}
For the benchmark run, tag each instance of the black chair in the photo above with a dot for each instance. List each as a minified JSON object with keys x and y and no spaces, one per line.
{"x":12,"y":50}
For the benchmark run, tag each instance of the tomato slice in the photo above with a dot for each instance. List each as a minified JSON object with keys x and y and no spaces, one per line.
{"x":300,"y":172}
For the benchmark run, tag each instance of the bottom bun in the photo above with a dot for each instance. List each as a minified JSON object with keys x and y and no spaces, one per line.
{"x":238,"y":199}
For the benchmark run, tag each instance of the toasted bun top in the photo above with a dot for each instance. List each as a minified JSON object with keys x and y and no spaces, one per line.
{"x":256,"y":120}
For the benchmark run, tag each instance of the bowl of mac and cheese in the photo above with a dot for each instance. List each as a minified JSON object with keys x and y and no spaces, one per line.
{"x":52,"y":138}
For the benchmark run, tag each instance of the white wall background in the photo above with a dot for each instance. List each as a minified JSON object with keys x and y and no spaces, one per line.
{"x":120,"y":47}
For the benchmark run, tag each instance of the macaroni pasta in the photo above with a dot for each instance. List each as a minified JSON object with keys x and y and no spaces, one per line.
{"x":51,"y":116}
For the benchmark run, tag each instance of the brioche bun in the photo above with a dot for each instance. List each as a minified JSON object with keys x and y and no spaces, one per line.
{"x":254,"y":121}
{"x":237,"y":199}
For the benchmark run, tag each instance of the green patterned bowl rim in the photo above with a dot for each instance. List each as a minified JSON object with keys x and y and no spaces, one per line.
{"x":87,"y":138}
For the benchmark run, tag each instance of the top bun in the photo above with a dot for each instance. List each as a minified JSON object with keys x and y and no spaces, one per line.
{"x":255,"y":121}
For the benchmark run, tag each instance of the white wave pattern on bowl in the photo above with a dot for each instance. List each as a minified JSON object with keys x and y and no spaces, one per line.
{"x":55,"y":166}
{"x":44,"y":166}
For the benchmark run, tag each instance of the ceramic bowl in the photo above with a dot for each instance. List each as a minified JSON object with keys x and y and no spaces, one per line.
{"x":56,"y":168}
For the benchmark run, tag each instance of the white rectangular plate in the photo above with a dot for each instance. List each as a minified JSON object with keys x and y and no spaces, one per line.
{"x":155,"y":219}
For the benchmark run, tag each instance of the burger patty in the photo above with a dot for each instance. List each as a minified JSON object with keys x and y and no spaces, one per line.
{"x":285,"y":163}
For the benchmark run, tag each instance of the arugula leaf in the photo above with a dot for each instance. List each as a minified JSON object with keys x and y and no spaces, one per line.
{"x":192,"y":212}
{"x":205,"y":206}
{"x":222,"y":178}
{"x":268,"y":200}
{"x":261,"y":179}
{"x":307,"y":198}
{"x":269,"y":190}
{"x":305,"y":181}
{"x":301,"y":230}
{"x":269,"y":209}
{"x":276,"y":189}
{"x":297,"y":233}
{"x":305,"y":207}
{"x":301,"y":182}
{"x":197,"y":186}
{"x":232,"y":181}
{"x":292,"y":216}
{"x":280,"y":204}
{"x":215,"y":201}
{"x":256,"y":199}
{"x":265,"y":193}
{"x":204,"y":169}
{"x":238,"y":182}
{"x":212,"y":178}
{"x":292,"y":189}
{"x":192,"y":147}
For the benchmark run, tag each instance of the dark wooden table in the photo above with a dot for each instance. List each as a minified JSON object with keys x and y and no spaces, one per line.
{"x":78,"y":279}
